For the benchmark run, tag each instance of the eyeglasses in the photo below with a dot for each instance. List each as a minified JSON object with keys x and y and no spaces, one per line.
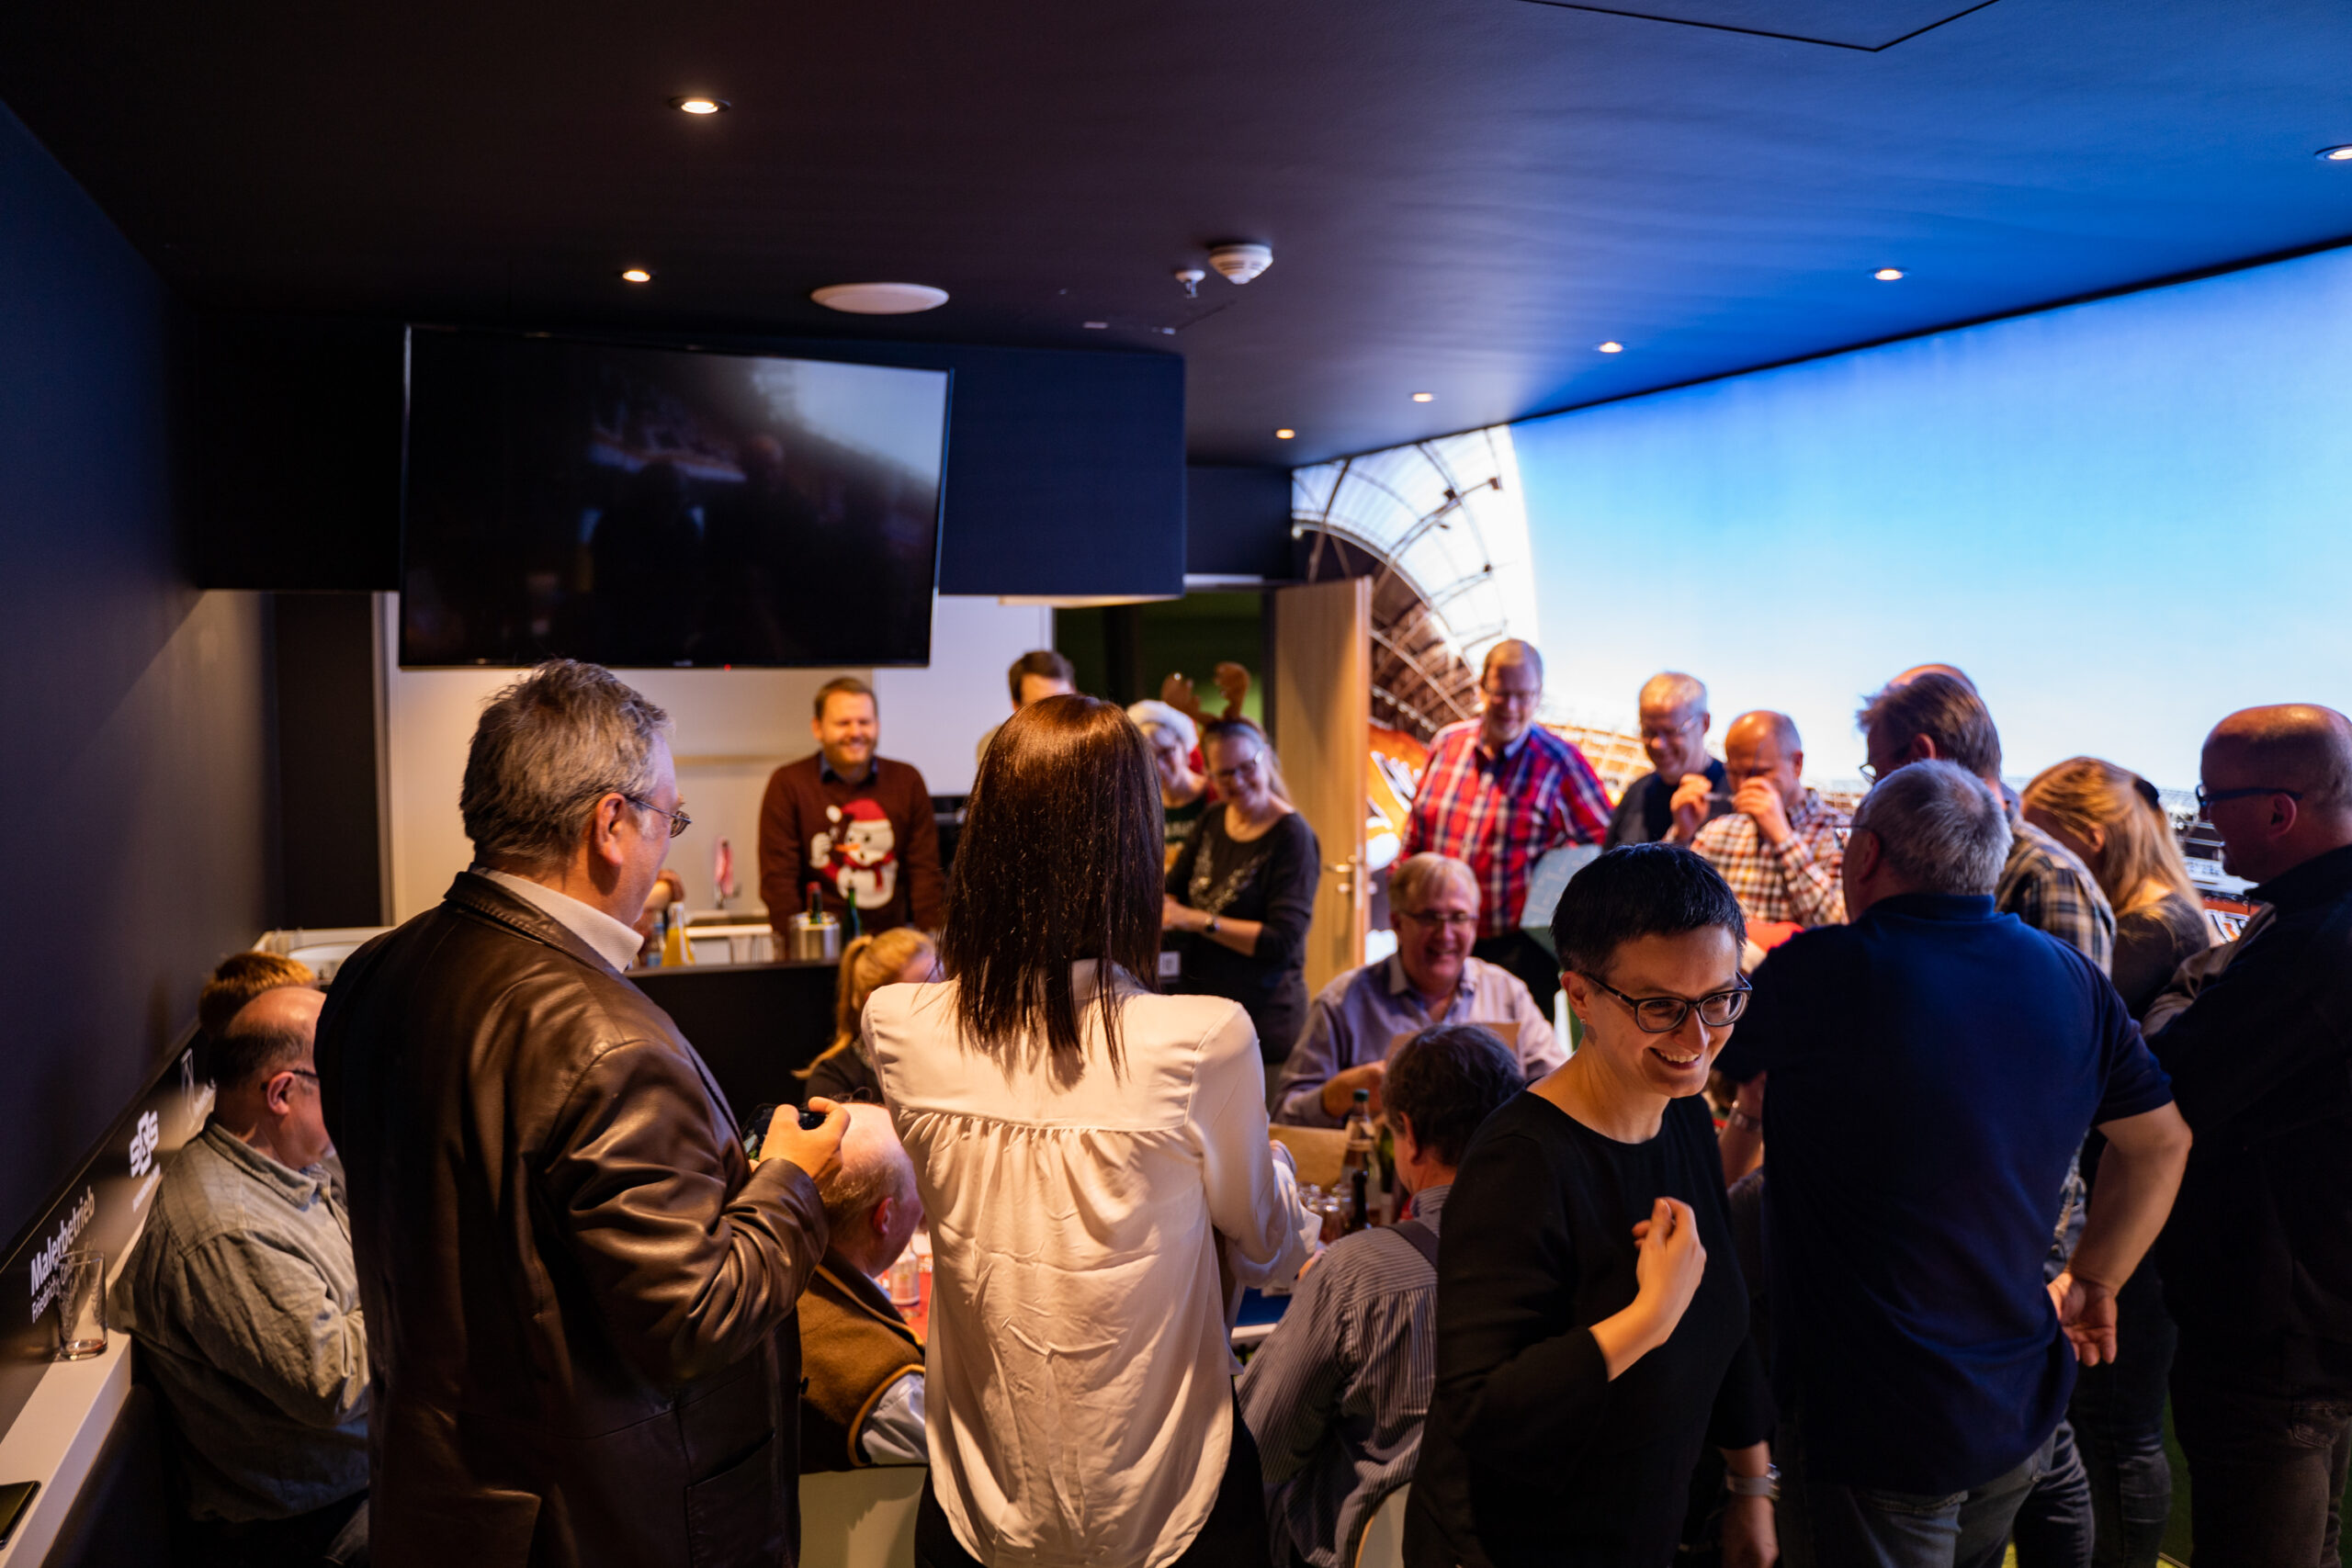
{"x":679,"y":820}
{"x":1663,"y":1015}
{"x":2206,"y":800}
{"x":1454,"y":919}
{"x":1870,"y":772}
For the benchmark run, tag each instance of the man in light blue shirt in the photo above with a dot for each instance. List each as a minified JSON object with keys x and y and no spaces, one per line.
{"x":1361,"y":1017}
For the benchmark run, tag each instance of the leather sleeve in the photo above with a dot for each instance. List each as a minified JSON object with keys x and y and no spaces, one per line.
{"x":694,"y":1258}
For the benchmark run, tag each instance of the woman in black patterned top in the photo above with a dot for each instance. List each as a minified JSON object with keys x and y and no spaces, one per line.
{"x":1242,"y":891}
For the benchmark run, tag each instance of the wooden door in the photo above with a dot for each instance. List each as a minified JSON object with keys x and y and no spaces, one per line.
{"x":1322,"y":732}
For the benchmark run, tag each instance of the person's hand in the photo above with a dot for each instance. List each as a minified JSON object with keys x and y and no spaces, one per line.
{"x":1340,"y":1092}
{"x":1176,"y":916}
{"x":1669,"y":1263}
{"x":1689,"y":806}
{"x":1760,"y":803}
{"x":815,"y":1150}
{"x":1751,"y":1538}
{"x":2086,"y":1314}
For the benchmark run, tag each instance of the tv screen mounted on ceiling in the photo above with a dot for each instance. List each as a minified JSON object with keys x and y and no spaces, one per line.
{"x":662,"y":507}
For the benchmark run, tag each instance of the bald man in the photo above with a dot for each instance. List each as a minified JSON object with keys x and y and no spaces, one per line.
{"x":861,"y":1402}
{"x":1783,"y":847}
{"x":1498,"y":793}
{"x":1674,"y":719}
{"x":2257,"y":1260}
{"x":246,"y":1303}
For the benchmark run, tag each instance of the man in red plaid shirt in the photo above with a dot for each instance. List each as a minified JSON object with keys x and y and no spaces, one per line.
{"x":1498,"y":793}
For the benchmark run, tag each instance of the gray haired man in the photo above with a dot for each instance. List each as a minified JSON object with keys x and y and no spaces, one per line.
{"x":1674,"y":719}
{"x":1935,"y":1064}
{"x":581,"y":1291}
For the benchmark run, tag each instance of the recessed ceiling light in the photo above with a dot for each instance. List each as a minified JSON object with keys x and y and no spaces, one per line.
{"x":1095,"y":326}
{"x":635,"y":275}
{"x":880,"y":298}
{"x":1612,"y":346}
{"x":694,"y":103}
{"x":1888,"y":273}
{"x":1285,"y":434}
{"x":2342,"y":155}
{"x":1425,"y":396}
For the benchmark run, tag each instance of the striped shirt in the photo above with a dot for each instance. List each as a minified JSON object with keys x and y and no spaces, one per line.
{"x":1336,"y":1394}
{"x":1498,"y":815}
{"x":1797,"y":882}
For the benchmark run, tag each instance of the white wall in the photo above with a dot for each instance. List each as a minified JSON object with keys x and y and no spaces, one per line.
{"x":733,"y":729}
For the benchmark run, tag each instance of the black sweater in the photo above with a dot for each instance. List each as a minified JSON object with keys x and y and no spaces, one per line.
{"x":1531,"y":1454}
{"x":1270,"y":879}
{"x":2258,"y":1036}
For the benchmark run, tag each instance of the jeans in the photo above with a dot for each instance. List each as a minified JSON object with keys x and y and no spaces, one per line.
{"x":2119,"y":1419}
{"x":2266,"y":1466}
{"x":1524,"y":957}
{"x":1830,"y":1526}
{"x":2054,"y":1524}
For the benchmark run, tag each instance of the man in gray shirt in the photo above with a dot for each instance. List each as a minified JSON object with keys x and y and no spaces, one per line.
{"x":246,"y":1304}
{"x":1337,"y":1396}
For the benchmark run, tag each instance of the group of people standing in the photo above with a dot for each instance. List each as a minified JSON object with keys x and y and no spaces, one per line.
{"x":576,"y":1281}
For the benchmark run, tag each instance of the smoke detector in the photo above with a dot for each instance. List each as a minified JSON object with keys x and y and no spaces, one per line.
{"x":1241,"y":263}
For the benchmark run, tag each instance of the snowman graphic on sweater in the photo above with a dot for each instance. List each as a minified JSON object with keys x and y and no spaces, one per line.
{"x":858,"y":853}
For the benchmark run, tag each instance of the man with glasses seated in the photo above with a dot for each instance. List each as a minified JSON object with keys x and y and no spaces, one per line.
{"x":1934,"y":1065}
{"x":1674,"y":719}
{"x":1361,"y":1016}
{"x":1499,"y":790}
{"x":246,"y":1303}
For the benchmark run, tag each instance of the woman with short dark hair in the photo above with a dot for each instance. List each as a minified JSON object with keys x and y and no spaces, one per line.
{"x":1087,"y":1153}
{"x":1592,"y":1332}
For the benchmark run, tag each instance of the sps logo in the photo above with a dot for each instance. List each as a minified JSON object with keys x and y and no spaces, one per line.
{"x":143,"y":1141}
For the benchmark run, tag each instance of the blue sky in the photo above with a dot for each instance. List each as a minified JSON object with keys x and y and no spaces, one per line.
{"x":2123,"y":519}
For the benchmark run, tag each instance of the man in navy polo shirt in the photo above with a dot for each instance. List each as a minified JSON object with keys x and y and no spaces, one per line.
{"x":1934,"y":1067}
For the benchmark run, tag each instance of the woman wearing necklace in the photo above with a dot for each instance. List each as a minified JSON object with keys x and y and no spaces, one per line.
{"x":1242,"y":890}
{"x":1592,"y":1334}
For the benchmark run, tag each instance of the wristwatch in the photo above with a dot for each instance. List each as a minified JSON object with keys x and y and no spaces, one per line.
{"x":1765,"y":1485}
{"x":1740,"y":1119}
{"x":1211,"y":928}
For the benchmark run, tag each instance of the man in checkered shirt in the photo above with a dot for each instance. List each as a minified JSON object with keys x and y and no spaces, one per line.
{"x":1782,"y":847}
{"x":1499,"y":791}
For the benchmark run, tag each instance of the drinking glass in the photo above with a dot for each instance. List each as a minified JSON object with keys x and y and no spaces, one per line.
{"x":81,"y":1307}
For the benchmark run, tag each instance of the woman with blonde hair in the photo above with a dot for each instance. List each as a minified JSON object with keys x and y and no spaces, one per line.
{"x":901,"y":956}
{"x":2115,"y":823}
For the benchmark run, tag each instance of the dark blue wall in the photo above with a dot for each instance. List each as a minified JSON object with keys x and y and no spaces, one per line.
{"x":135,"y":853}
{"x":1065,"y":470}
{"x":1237,"y":522}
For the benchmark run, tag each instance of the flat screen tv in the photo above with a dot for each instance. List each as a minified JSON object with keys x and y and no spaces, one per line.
{"x":665,"y":507}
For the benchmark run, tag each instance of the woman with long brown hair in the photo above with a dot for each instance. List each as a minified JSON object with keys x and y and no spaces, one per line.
{"x":1086,"y":1152}
{"x":900,"y":957}
{"x":2115,"y":822}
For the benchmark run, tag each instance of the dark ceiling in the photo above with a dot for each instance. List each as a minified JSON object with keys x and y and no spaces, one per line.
{"x":1464,"y":197}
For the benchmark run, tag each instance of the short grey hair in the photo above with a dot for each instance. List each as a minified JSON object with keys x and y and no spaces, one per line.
{"x":1939,"y":825}
{"x":1415,"y":880}
{"x":1152,"y":714}
{"x":1674,"y":691}
{"x":548,"y":749}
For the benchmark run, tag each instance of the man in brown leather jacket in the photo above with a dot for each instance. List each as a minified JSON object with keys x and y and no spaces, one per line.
{"x":580,"y":1291}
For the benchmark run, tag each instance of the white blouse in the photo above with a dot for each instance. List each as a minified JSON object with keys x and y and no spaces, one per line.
{"x":1080,"y":1396}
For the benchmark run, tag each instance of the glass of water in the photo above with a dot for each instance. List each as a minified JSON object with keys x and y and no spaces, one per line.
{"x":81,"y":1307}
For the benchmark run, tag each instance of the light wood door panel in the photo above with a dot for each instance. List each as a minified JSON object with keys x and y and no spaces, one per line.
{"x":1322,"y":690}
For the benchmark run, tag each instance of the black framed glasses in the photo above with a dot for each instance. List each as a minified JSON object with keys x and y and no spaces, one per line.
{"x":1663,"y":1015}
{"x":2206,"y":800}
{"x":679,"y":820}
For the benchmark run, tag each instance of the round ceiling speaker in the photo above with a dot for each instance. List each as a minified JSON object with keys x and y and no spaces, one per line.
{"x":880,"y":298}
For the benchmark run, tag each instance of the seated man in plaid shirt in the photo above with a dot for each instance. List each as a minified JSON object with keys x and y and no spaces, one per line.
{"x":1499,"y":791}
{"x":1782,"y":846}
